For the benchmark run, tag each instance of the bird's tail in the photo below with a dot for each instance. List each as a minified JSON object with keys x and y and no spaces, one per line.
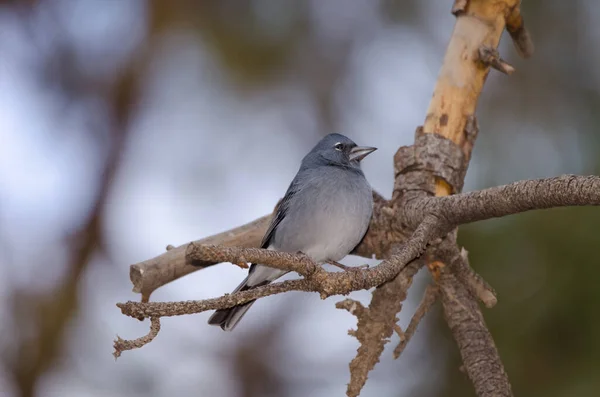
{"x":227,"y":319}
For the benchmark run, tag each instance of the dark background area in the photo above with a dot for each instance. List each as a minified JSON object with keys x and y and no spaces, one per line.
{"x":129,"y":125}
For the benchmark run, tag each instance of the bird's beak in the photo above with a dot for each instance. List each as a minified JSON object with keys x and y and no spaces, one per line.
{"x":360,"y":152}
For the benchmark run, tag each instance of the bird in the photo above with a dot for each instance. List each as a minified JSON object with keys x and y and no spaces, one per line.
{"x":324,"y":214}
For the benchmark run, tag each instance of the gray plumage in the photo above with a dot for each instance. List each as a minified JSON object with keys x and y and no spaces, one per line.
{"x":325,"y":213}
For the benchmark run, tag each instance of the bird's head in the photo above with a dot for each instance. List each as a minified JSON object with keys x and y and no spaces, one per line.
{"x":337,"y":149}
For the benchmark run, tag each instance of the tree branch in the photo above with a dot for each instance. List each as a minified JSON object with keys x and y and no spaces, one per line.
{"x":429,"y":298}
{"x":477,"y":348}
{"x":376,"y":325}
{"x":153,"y":273}
{"x":520,"y":196}
{"x":317,"y":279}
{"x":373,"y":322}
{"x":141,"y":310}
{"x":298,"y":263}
{"x":474,"y":283}
{"x":495,"y":202}
{"x":120,"y":345}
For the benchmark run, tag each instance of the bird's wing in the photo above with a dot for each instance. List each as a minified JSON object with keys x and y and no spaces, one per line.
{"x":280,"y":213}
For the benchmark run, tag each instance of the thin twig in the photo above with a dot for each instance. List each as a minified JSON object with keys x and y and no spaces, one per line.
{"x":491,"y":57}
{"x":515,"y":25}
{"x":298,"y":263}
{"x":355,"y":308}
{"x":120,"y":345}
{"x":472,"y":280}
{"x":429,"y":298}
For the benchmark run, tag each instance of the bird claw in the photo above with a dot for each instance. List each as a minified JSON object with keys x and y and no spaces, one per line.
{"x":347,"y":268}
{"x":357,"y":268}
{"x":242,"y":265}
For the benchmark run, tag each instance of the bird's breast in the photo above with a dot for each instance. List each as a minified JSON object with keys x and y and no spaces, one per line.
{"x":328,"y":217}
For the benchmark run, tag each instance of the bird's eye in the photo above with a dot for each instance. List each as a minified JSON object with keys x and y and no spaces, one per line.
{"x":339,"y":146}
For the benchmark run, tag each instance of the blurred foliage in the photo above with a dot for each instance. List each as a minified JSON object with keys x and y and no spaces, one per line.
{"x":253,"y":47}
{"x":544,"y":265}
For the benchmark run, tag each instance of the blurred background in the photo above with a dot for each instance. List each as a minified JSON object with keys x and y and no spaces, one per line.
{"x":129,"y":125}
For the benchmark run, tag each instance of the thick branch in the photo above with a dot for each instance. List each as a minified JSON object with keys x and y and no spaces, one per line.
{"x":153,"y":273}
{"x":477,"y":348}
{"x":479,"y":24}
{"x":566,"y":190}
{"x":141,"y":310}
{"x":450,"y":115}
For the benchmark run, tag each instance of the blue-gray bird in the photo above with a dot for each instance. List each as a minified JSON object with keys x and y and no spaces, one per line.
{"x":325,"y":213}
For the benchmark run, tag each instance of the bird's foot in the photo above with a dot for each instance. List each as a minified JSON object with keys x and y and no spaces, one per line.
{"x":337,"y":264}
{"x":242,"y":265}
{"x":347,"y":268}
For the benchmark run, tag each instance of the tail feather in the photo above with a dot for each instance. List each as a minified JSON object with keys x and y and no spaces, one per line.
{"x":227,"y":319}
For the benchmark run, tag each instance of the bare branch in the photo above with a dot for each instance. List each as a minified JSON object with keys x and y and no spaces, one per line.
{"x":376,"y":325}
{"x":473,"y":281}
{"x":457,"y":209}
{"x":477,"y":349}
{"x":491,"y":57}
{"x":141,"y":310}
{"x":319,"y":280}
{"x":120,"y":345}
{"x":153,"y":273}
{"x":298,"y":263}
{"x":429,"y":298}
{"x":536,"y":194}
{"x":520,"y":36}
{"x":352,"y":306}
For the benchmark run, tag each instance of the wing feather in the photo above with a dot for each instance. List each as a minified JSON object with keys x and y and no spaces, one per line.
{"x":280,"y":212}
